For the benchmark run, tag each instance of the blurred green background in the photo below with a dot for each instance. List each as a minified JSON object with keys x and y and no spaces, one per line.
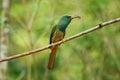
{"x":94,"y":56}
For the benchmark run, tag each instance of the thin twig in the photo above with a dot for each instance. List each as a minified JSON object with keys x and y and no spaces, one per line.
{"x":64,"y":40}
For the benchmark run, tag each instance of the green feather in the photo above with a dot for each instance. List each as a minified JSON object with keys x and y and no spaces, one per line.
{"x":52,"y":32}
{"x":61,"y":26}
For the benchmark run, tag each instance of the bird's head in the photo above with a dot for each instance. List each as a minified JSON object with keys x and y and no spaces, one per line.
{"x":65,"y":20}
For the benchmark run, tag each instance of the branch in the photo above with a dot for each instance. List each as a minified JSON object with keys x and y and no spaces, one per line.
{"x":64,"y":40}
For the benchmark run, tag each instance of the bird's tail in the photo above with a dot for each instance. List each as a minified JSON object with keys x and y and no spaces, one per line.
{"x":52,"y":57}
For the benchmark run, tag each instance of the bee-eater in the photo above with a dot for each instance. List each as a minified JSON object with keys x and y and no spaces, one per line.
{"x":57,"y":34}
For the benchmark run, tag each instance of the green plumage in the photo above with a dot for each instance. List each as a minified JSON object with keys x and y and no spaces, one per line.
{"x":61,"y":26}
{"x":57,"y":34}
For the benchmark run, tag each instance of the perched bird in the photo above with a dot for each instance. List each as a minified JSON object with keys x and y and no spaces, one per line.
{"x":57,"y":34}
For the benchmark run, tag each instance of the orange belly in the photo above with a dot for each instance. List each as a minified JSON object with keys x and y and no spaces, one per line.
{"x":57,"y":36}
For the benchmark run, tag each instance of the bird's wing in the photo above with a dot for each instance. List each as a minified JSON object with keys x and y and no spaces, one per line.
{"x":52,"y":32}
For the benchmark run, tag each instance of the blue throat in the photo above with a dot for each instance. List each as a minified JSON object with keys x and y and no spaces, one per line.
{"x":63,"y":27}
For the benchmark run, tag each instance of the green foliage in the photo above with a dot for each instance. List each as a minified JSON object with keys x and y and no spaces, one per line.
{"x":95,"y":56}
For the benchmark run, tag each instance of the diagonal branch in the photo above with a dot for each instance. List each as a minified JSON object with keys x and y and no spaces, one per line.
{"x":64,"y":40}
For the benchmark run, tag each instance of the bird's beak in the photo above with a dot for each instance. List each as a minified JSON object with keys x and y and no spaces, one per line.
{"x":75,"y":16}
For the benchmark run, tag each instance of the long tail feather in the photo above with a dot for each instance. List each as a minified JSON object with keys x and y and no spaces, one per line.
{"x":52,"y":57}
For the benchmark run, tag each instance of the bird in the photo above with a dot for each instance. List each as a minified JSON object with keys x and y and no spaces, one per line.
{"x":57,"y":34}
